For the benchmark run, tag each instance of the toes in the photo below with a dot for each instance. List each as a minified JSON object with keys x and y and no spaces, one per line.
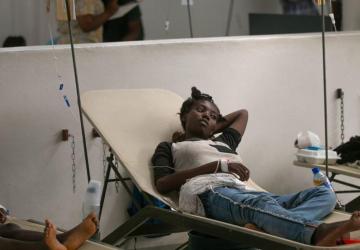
{"x":91,"y":215}
{"x":46,"y":228}
{"x":48,"y":222}
{"x":95,"y":221}
{"x":46,"y":232}
{"x":52,"y":227}
{"x":356,"y":214}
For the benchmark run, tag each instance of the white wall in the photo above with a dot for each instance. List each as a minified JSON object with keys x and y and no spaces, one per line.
{"x":277,"y":78}
{"x":351,"y":16}
{"x":26,"y":18}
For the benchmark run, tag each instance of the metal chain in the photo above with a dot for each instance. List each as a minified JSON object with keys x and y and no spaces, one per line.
{"x":117,"y":184}
{"x":73,"y":166}
{"x":342,"y":119}
{"x":104,"y":160}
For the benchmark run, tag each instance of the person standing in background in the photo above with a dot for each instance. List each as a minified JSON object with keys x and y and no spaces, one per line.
{"x":90,"y":17}
{"x":299,"y":7}
{"x":313,"y":8}
{"x":126,"y":28}
{"x":14,"y":41}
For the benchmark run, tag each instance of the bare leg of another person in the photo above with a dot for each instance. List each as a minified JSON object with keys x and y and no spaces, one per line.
{"x":327,"y":235}
{"x":49,"y":241}
{"x":82,"y":232}
{"x":13,"y":231}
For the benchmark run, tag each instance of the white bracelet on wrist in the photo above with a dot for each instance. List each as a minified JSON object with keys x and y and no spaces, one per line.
{"x":224,"y":165}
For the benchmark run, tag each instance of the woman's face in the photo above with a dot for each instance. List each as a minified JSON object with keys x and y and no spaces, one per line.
{"x":201,"y":120}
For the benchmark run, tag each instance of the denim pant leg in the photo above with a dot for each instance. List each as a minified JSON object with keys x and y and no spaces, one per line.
{"x":312,"y":204}
{"x":238,"y":206}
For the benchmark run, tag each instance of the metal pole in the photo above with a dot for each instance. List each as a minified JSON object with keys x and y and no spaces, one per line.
{"x":77,"y":90}
{"x":189,"y":16}
{"x":325,"y":91}
{"x":228,"y":25}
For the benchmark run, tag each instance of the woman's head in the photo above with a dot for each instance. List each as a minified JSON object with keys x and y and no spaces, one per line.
{"x":199,"y":115}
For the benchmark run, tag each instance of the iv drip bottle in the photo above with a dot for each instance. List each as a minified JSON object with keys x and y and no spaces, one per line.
{"x":92,"y":198}
{"x":321,"y":179}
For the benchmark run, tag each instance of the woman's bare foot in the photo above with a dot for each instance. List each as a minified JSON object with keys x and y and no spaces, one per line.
{"x":82,"y":232}
{"x":329,"y":235}
{"x":354,"y":223}
{"x":50,"y":237}
{"x":253,"y":227}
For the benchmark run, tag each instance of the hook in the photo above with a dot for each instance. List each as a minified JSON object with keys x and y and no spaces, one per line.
{"x":65,"y":135}
{"x":339,"y":93}
{"x":95,"y":134}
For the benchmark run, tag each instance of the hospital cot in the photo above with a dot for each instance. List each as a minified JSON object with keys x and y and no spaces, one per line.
{"x":132,"y":122}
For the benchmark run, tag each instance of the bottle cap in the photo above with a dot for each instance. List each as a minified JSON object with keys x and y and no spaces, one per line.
{"x":4,"y":209}
{"x":315,"y":170}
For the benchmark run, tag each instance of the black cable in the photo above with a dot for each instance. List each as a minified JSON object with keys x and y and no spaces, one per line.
{"x":189,"y":16}
{"x":325,"y":91}
{"x":228,"y":25}
{"x":77,"y":90}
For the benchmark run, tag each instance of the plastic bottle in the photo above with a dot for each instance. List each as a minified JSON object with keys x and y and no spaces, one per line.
{"x":91,"y":202}
{"x":92,"y":198}
{"x":5,"y":209}
{"x":321,"y":179}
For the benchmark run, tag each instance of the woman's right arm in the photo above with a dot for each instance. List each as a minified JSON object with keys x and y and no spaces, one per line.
{"x":174,"y":181}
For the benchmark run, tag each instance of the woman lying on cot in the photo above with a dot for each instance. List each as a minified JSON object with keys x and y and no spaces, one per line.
{"x":12,"y":237}
{"x":212,"y":180}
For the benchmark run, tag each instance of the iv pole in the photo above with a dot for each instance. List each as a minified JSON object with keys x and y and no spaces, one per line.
{"x":228,"y":25}
{"x":77,"y":90}
{"x":325,"y":91}
{"x":189,"y":17}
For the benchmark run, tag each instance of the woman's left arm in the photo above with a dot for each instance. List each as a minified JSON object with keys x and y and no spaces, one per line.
{"x":236,"y":120}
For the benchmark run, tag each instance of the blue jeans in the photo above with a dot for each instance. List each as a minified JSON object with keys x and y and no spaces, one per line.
{"x":293,"y":216}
